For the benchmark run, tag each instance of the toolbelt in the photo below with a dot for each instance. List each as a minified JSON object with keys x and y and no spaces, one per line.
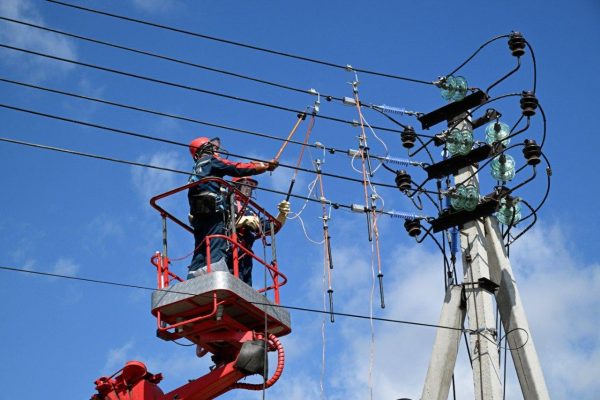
{"x":206,"y":203}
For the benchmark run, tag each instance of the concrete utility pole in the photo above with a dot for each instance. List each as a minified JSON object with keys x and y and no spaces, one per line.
{"x":514,"y":320}
{"x":480,"y":304}
{"x":487,"y":276}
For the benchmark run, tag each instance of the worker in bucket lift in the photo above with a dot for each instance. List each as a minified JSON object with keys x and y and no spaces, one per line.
{"x":208,"y":203}
{"x":250,"y":227}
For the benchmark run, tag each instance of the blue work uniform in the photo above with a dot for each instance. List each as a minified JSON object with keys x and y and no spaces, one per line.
{"x":211,"y":219}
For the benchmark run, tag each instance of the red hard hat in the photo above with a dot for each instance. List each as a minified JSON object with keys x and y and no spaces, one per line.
{"x":197,"y":143}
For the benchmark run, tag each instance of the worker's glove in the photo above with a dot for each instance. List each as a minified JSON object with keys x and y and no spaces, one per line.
{"x":284,"y":207}
{"x":260,"y":166}
{"x":272,"y":165}
{"x":249,"y":221}
{"x":190,"y":218}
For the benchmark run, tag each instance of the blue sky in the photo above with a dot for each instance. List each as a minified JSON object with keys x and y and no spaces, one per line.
{"x":90,"y":218}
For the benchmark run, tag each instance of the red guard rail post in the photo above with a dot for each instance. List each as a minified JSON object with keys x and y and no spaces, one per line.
{"x":161,"y":261}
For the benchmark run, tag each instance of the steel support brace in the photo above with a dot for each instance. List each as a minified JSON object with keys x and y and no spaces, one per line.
{"x":445,"y":348}
{"x":520,"y":340}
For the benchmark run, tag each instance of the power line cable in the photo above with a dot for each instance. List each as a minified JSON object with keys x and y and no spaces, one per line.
{"x":167,"y":58}
{"x":144,"y":165}
{"x":239,"y":44}
{"x":330,"y":150}
{"x":148,"y":137}
{"x":392,"y":213}
{"x":296,"y":308}
{"x":162,"y":114}
{"x":182,"y":86}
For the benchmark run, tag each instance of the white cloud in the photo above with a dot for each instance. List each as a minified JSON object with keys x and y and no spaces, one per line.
{"x":37,"y":68}
{"x":150,"y":182}
{"x":65,"y":266}
{"x":104,"y":230}
{"x":156,"y":6}
{"x":117,"y":357}
{"x":560,"y":294}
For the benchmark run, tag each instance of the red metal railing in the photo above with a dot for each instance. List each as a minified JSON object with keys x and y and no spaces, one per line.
{"x":161,"y":260}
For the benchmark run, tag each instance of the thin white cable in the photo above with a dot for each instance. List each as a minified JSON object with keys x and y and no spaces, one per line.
{"x":387,"y":153}
{"x":311,"y":187}
{"x":306,"y":233}
{"x":322,"y":383}
{"x":372,"y":345}
{"x":352,"y":163}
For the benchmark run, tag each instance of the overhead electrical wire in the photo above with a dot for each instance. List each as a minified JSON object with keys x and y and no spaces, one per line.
{"x":239,"y":44}
{"x":330,"y":150}
{"x":288,"y":307}
{"x":148,"y":137}
{"x":139,"y":164}
{"x":182,"y":86}
{"x":335,"y":205}
{"x":163,"y":114}
{"x":167,"y":58}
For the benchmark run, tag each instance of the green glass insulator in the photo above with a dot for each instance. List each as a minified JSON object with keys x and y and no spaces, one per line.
{"x":465,"y":198}
{"x":448,"y":88}
{"x":460,"y":141}
{"x":496,"y":132}
{"x":460,"y":88}
{"x":509,"y":214}
{"x":503,"y":168}
{"x":471,"y":198}
{"x":467,"y":141}
{"x":453,"y":141}
{"x":458,"y":199}
{"x":454,"y":88}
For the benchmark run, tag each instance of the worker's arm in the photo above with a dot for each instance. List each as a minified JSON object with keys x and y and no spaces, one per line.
{"x":237,"y":169}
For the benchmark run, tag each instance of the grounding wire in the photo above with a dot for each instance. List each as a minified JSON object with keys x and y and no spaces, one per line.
{"x":289,"y":307}
{"x":167,"y":58}
{"x":181,"y":86}
{"x":239,"y":44}
{"x":139,"y":135}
